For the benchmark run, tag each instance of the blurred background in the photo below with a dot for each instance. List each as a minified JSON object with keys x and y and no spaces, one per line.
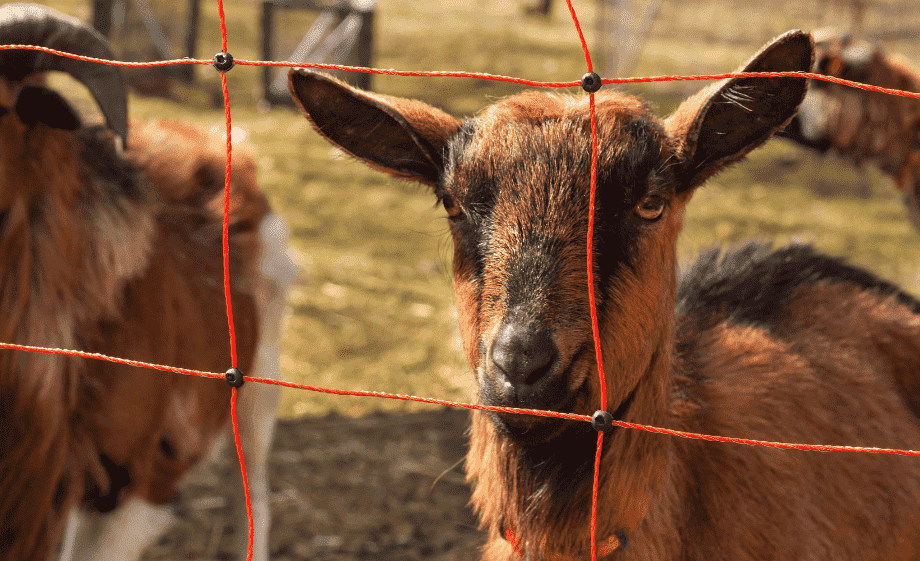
{"x":372,"y":307}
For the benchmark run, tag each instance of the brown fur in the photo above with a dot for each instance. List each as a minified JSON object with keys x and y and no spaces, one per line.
{"x":834,"y":361}
{"x":127,"y":269}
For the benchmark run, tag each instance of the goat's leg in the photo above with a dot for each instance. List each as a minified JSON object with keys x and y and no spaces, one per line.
{"x":256,"y":407}
{"x":121,"y":535}
{"x":257,"y":403}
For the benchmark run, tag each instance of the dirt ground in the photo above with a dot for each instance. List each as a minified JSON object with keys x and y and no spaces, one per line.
{"x":384,"y":486}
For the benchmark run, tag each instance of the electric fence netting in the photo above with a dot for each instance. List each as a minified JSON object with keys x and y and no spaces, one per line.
{"x":591,"y":83}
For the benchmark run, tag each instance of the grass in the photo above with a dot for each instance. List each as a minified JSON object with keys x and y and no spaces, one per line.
{"x":373,"y":307}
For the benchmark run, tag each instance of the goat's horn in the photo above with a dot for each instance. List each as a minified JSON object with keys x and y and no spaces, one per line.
{"x":29,"y":24}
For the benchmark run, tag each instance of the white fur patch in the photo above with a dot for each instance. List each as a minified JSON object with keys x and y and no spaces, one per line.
{"x":257,"y":404}
{"x":121,"y":535}
{"x":815,"y":113}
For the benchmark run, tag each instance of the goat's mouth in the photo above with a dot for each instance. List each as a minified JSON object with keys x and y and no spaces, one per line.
{"x":553,"y":394}
{"x":530,"y":428}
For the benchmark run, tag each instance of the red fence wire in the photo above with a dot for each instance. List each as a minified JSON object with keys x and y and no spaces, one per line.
{"x":590,"y":288}
{"x":476,"y":75}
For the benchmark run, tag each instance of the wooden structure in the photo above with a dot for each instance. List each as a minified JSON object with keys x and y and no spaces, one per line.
{"x":103,"y":11}
{"x":341,"y":34}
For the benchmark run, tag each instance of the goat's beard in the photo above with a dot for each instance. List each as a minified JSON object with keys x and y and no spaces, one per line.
{"x":532,"y":486}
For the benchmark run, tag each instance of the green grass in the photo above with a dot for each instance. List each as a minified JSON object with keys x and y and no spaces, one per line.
{"x":373,"y":308}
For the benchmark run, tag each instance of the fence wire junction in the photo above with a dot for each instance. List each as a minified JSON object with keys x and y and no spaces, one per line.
{"x":223,"y":68}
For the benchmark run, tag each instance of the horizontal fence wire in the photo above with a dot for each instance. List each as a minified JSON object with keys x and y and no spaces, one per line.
{"x":471,"y":406}
{"x":377,"y":394}
{"x":480,"y":75}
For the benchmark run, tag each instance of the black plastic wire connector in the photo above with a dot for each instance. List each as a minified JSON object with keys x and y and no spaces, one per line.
{"x":234,"y":377}
{"x":591,"y":82}
{"x":602,"y":421}
{"x":223,"y":61}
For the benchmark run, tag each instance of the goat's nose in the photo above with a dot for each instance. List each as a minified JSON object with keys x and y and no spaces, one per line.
{"x":523,"y":355}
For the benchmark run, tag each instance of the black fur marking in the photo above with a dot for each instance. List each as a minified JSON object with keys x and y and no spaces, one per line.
{"x":465,"y":226}
{"x":456,"y":147}
{"x":60,"y":493}
{"x":563,"y":462}
{"x":751,"y":284}
{"x":166,"y":448}
{"x":621,"y":184}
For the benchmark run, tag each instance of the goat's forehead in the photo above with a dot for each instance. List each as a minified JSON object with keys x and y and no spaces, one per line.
{"x":536,"y":148}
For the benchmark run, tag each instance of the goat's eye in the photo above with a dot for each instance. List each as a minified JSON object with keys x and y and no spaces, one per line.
{"x":451,"y":206}
{"x":650,"y":208}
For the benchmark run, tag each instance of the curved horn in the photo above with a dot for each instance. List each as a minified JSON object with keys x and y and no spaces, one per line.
{"x":29,"y":24}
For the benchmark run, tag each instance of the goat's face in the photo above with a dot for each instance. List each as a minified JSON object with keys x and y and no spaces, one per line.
{"x":843,"y":56}
{"x":515,"y":182}
{"x":840,"y":57}
{"x":516,"y":187}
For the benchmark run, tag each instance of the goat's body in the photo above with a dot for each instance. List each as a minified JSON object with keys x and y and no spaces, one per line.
{"x":129,"y":264}
{"x":60,"y":278}
{"x":119,"y":253}
{"x":793,"y":346}
{"x":185,"y":269}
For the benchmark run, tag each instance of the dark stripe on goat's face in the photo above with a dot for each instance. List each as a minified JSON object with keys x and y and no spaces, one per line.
{"x":518,"y":179}
{"x":624,"y":177}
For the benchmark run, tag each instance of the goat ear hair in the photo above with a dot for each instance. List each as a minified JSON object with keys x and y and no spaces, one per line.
{"x":38,"y":105}
{"x":724,"y":122}
{"x":402,"y":137}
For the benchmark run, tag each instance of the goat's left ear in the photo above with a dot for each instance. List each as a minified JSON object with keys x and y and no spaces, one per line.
{"x":722,"y":123}
{"x":39,"y":105}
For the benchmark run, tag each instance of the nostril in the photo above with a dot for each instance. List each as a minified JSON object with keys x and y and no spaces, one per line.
{"x":539,"y":372}
{"x":524,"y":355}
{"x":166,"y":448}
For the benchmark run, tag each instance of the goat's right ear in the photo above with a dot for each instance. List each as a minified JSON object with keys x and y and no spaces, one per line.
{"x":403,"y":137}
{"x":721,"y":124}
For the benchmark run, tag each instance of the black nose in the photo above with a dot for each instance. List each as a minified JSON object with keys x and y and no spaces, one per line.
{"x":523,"y":355}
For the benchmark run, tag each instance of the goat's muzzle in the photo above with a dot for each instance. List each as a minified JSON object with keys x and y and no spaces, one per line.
{"x":523,"y":367}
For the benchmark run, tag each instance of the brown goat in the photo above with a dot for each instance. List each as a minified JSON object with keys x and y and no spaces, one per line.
{"x":776,"y":345}
{"x":119,"y":253}
{"x":860,"y":125}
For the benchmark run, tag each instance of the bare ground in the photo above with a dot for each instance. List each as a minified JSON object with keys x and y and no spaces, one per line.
{"x":385,"y":486}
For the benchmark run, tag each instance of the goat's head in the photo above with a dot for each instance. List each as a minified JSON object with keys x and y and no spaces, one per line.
{"x":515,"y":183}
{"x":22,"y":90}
{"x":839,"y":56}
{"x":843,"y":56}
